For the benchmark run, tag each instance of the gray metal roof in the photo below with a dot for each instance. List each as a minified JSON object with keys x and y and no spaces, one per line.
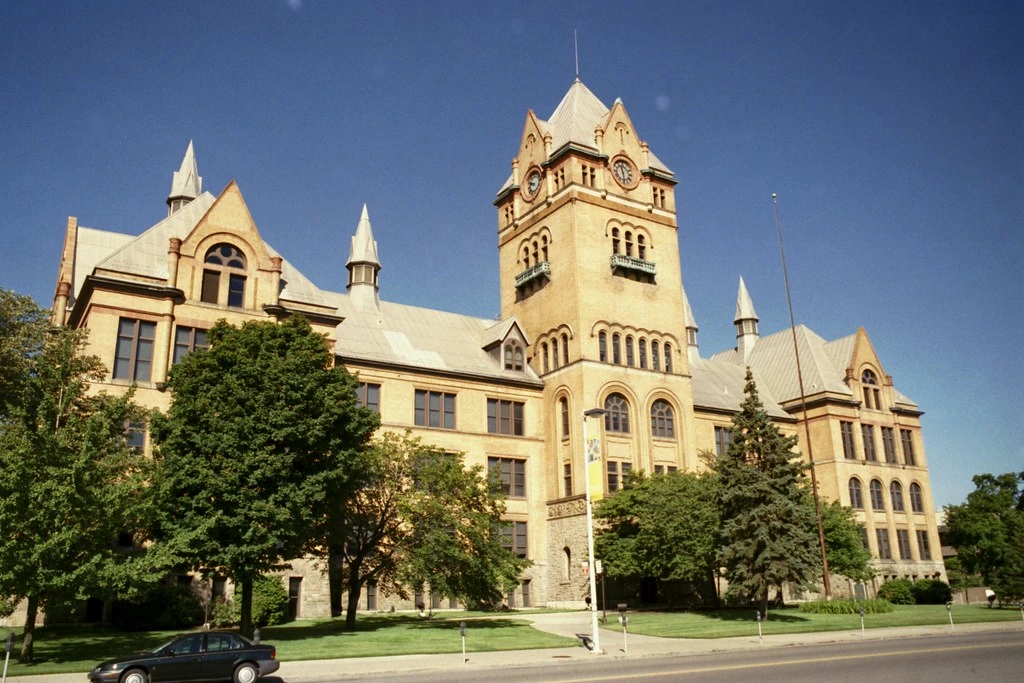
{"x":186,"y":183}
{"x":719,"y":385}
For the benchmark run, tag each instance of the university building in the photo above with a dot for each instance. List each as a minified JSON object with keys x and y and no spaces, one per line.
{"x":593,"y":315}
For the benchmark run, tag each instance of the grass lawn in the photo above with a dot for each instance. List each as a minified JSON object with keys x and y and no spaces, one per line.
{"x":727,"y":623}
{"x":79,"y":648}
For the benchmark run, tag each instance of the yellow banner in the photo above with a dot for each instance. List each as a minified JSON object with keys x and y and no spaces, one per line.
{"x":595,"y":471}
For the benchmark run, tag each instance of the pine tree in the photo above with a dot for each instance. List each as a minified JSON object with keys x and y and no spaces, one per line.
{"x":768,"y":522}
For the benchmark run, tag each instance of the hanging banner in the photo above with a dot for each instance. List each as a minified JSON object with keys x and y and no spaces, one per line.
{"x":595,"y":470}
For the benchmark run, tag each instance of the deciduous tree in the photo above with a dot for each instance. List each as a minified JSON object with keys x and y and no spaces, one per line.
{"x":844,"y":544}
{"x":262,"y":433}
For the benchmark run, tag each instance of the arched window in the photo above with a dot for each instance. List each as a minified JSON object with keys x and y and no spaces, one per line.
{"x":615,"y":240}
{"x":877,"y":499}
{"x":536,"y":252}
{"x":916,"y":499}
{"x":224,"y":276}
{"x":643,"y":353}
{"x":668,"y":357}
{"x":617,"y":418}
{"x":629,"y":243}
{"x":568,"y":563}
{"x":544,"y":354}
{"x":544,"y":248}
{"x":617,"y":349}
{"x":602,"y":347}
{"x":856,"y":494}
{"x":896,"y":495}
{"x":563,"y":409}
{"x":872,"y":395}
{"x":641,"y":248}
{"x":654,"y":356}
{"x":662,"y":422}
{"x":526,"y":256}
{"x":565,"y":349}
{"x":513,"y":356}
{"x":629,"y":351}
{"x":554,"y":354}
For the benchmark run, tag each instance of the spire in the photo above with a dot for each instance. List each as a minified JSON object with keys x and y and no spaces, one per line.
{"x":746,"y":322}
{"x":186,"y":184}
{"x":363,"y":264}
{"x":692,"y":350}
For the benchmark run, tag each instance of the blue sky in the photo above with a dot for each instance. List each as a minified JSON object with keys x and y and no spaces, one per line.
{"x":893,"y":134}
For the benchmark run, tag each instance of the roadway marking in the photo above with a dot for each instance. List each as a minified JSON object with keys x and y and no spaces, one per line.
{"x":788,"y":662}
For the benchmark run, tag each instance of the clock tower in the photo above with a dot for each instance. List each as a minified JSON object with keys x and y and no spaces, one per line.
{"x":589,"y":263}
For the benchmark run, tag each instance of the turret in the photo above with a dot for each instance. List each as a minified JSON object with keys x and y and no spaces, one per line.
{"x":363,"y":265}
{"x":746,"y":323}
{"x":186,"y":184}
{"x":692,"y":350}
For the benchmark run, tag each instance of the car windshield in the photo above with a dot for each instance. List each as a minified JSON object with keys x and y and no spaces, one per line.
{"x":162,"y":646}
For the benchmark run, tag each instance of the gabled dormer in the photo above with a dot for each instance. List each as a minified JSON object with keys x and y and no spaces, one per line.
{"x":506,"y":342}
{"x":865,"y":375}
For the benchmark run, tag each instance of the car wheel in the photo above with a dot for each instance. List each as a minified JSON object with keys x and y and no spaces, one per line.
{"x":134,"y":676}
{"x":246,"y":673}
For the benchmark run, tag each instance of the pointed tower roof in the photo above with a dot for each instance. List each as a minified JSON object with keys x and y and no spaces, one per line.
{"x":744,"y":305}
{"x":186,"y":183}
{"x":576,"y":116}
{"x":364,"y":247}
{"x":688,"y":319}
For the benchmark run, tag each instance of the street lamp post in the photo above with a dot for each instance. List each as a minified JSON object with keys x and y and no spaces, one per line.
{"x":594,"y":634}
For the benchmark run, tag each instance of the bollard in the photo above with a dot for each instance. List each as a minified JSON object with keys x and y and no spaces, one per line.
{"x":7,"y":655}
{"x":624,"y":620}
{"x":949,"y":610}
{"x":462,"y":632}
{"x":862,"y":621}
{"x":760,"y":638}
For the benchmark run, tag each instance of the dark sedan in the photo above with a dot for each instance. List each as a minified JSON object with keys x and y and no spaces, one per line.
{"x":206,"y":656}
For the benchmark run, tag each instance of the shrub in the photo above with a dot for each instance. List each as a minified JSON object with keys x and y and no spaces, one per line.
{"x":898,"y":592}
{"x":269,"y":601}
{"x":166,"y":607}
{"x":222,"y":613}
{"x":846,"y":606}
{"x":931,"y":592}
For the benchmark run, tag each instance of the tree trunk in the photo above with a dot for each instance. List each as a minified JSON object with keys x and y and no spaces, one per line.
{"x":355,"y":587}
{"x":27,"y":649}
{"x":245,"y":627}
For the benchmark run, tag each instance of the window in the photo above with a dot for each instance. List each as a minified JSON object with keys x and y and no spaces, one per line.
{"x":224,"y":259}
{"x":567,"y":478}
{"x":643,"y":353}
{"x":133,"y":356}
{"x":641,"y":247}
{"x":512,"y":475}
{"x":903,"y":542}
{"x":589,"y":175}
{"x":504,"y":417}
{"x":867,"y":433}
{"x":554,"y":354}
{"x":856,"y":494}
{"x":565,"y":349}
{"x":924,"y":549}
{"x":629,"y":351}
{"x":863,"y":537}
{"x":615,"y":240}
{"x":544,"y":353}
{"x":877,"y":500}
{"x":617,"y":418}
{"x":513,"y":356}
{"x":665,"y":469}
{"x":662,"y":423}
{"x":513,"y":537}
{"x":602,"y":347}
{"x":526,"y":593}
{"x":872,"y":395}
{"x":889,"y":445}
{"x":896,"y":496}
{"x":659,"y":197}
{"x":613,"y":476}
{"x":371,"y":595}
{"x":668,"y":357}
{"x":369,"y":396}
{"x":916,"y":499}
{"x":629,"y":243}
{"x":884,"y":549}
{"x":723,"y":439}
{"x":907,"y":437}
{"x":435,"y":409}
{"x":846,"y":429}
{"x":617,"y":349}
{"x":135,"y":436}
{"x":563,"y":408}
{"x":654,"y":356}
{"x":294,"y":597}
{"x":567,"y":574}
{"x":187,"y":340}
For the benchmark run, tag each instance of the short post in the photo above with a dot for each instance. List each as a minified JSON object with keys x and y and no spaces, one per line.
{"x":862,"y":621}
{"x":624,"y":620}
{"x":604,"y":598}
{"x":1022,"y":610}
{"x":7,"y":656}
{"x":256,"y":636}
{"x":760,"y":637}
{"x":949,"y":610}
{"x":462,"y":632}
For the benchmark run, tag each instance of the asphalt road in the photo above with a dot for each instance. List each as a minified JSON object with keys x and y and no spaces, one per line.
{"x":990,"y":657}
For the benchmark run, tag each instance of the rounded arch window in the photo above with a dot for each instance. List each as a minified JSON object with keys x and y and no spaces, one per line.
{"x":662,"y":420}
{"x":616,"y":420}
{"x":224,"y":275}
{"x":916,"y":498}
{"x":513,"y":356}
{"x":641,"y":247}
{"x":872,"y":394}
{"x":226,"y":255}
{"x":615,"y":240}
{"x":877,"y":499}
{"x":602,"y":346}
{"x":896,"y":495}
{"x":565,"y":349}
{"x":856,"y":494}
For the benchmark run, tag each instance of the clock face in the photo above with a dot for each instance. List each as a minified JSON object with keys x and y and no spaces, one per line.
{"x":533,"y":183}
{"x":623,"y":171}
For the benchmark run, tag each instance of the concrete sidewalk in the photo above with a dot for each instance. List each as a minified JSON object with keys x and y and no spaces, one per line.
{"x":568,"y":624}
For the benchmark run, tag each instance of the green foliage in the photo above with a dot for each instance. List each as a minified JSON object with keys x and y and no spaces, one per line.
{"x":269,"y":602}
{"x":768,"y":519}
{"x":23,"y":328}
{"x":931,"y":592}
{"x":988,"y":533}
{"x":897,"y":591}
{"x":422,"y":519}
{"x":69,"y":483}
{"x":165,"y":606}
{"x":661,"y":526}
{"x":846,"y":606}
{"x":262,"y":434}
{"x":844,"y":547}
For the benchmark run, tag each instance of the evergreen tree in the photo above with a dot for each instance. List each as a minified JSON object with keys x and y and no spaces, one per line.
{"x":768,"y":522}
